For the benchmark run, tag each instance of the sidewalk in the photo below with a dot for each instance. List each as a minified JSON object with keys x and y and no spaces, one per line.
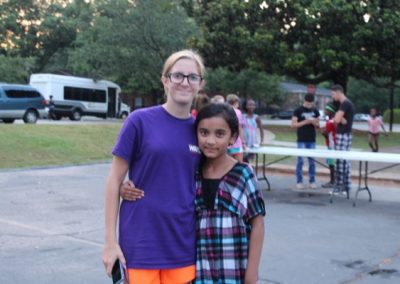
{"x":390,"y":175}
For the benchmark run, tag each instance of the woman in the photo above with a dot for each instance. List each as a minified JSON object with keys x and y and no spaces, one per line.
{"x":157,"y":147}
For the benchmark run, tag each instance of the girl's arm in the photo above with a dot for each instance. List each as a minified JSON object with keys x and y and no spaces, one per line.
{"x":259,"y":124}
{"x":241,"y":135}
{"x":111,"y":249}
{"x":383,"y":127}
{"x":255,"y":249}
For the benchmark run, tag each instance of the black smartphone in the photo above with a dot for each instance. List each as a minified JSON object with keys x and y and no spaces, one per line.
{"x":117,"y":273}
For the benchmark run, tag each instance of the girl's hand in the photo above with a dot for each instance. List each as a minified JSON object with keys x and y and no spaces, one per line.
{"x":112,"y":252}
{"x":250,"y":279}
{"x":129,"y":192}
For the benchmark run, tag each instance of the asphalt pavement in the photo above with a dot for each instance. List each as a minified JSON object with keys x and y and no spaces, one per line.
{"x":51,"y":230}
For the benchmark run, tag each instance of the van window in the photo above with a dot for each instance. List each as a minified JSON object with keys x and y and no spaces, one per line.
{"x":84,"y":94}
{"x":22,"y":94}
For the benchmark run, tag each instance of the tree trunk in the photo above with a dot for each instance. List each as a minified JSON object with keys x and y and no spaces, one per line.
{"x":391,"y":115}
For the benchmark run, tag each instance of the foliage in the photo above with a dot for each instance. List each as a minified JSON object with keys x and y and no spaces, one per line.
{"x":310,"y":40}
{"x":41,"y":29}
{"x":127,"y":41}
{"x":15,"y":69}
{"x":145,"y":34}
{"x":247,"y":83}
{"x":365,"y":96}
{"x":396,"y":115}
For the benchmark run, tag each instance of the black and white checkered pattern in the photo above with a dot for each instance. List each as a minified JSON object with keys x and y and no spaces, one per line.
{"x":343,"y":175}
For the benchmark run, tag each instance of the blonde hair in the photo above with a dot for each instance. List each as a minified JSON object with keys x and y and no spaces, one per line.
{"x":184,"y":54}
{"x":200,"y":100}
{"x":217,"y":99}
{"x":232,"y":99}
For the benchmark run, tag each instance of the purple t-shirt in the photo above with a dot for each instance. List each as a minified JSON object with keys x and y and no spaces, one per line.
{"x":158,"y":231}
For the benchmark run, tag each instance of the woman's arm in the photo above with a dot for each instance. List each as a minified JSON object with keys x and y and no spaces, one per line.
{"x":260,"y":127}
{"x":255,"y":249}
{"x":111,"y":249}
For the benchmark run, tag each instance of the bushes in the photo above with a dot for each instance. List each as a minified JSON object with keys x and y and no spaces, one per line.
{"x":396,"y":115}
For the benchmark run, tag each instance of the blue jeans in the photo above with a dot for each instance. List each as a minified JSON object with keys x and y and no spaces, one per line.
{"x":300,"y":162}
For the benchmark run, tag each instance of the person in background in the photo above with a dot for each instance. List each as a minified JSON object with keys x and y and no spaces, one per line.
{"x":51,"y":108}
{"x":251,"y":121}
{"x":374,"y":124}
{"x":200,"y":101}
{"x":157,"y":147}
{"x":218,"y":99}
{"x":236,"y":149}
{"x":229,"y":207}
{"x":329,"y":132}
{"x":344,"y":121}
{"x":306,"y":119}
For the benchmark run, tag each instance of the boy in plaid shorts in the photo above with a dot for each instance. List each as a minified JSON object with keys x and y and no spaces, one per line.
{"x":344,"y":120}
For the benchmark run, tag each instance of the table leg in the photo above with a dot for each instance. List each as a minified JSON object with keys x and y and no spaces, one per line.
{"x":264,"y":176}
{"x":365,"y":187}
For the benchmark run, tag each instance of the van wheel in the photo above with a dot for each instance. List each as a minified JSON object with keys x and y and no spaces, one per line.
{"x":76,"y":115}
{"x":8,"y":120}
{"x":30,"y":116}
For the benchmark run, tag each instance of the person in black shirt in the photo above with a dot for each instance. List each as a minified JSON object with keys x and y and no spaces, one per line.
{"x":305,"y":119}
{"x":344,"y":120}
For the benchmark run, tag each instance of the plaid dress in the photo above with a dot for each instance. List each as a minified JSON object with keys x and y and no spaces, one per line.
{"x":223,"y":232}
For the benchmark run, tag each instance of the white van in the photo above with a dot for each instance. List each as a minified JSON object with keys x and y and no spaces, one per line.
{"x":76,"y":96}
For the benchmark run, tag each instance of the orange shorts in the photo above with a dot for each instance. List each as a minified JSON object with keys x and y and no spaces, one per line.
{"x":180,"y":275}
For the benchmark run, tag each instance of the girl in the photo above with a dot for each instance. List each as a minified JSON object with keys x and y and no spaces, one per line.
{"x":229,"y":208}
{"x":251,"y":122}
{"x":374,"y":123}
{"x":157,"y":147}
{"x":236,"y":149}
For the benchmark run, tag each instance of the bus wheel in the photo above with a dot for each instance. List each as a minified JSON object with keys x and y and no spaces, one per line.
{"x":124,"y":115}
{"x":76,"y":115}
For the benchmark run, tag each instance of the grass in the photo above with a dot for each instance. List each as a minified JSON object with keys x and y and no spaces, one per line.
{"x":45,"y":145}
{"x":38,"y":145}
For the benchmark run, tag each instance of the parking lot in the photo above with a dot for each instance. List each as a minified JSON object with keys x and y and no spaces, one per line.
{"x":52,"y":231}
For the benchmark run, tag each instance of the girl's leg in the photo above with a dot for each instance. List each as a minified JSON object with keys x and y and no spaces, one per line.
{"x":376,"y":143}
{"x":371,"y":142}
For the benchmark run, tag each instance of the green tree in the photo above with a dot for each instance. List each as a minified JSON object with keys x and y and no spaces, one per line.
{"x":247,"y":83}
{"x":15,"y":69}
{"x":310,"y":40}
{"x":42,"y":29}
{"x":366,"y":95}
{"x":384,"y":49}
{"x":129,"y":42}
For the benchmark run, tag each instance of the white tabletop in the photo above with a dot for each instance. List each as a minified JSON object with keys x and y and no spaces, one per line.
{"x":320,"y":153}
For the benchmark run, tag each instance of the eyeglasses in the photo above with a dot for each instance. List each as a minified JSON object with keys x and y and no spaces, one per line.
{"x":178,"y":78}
